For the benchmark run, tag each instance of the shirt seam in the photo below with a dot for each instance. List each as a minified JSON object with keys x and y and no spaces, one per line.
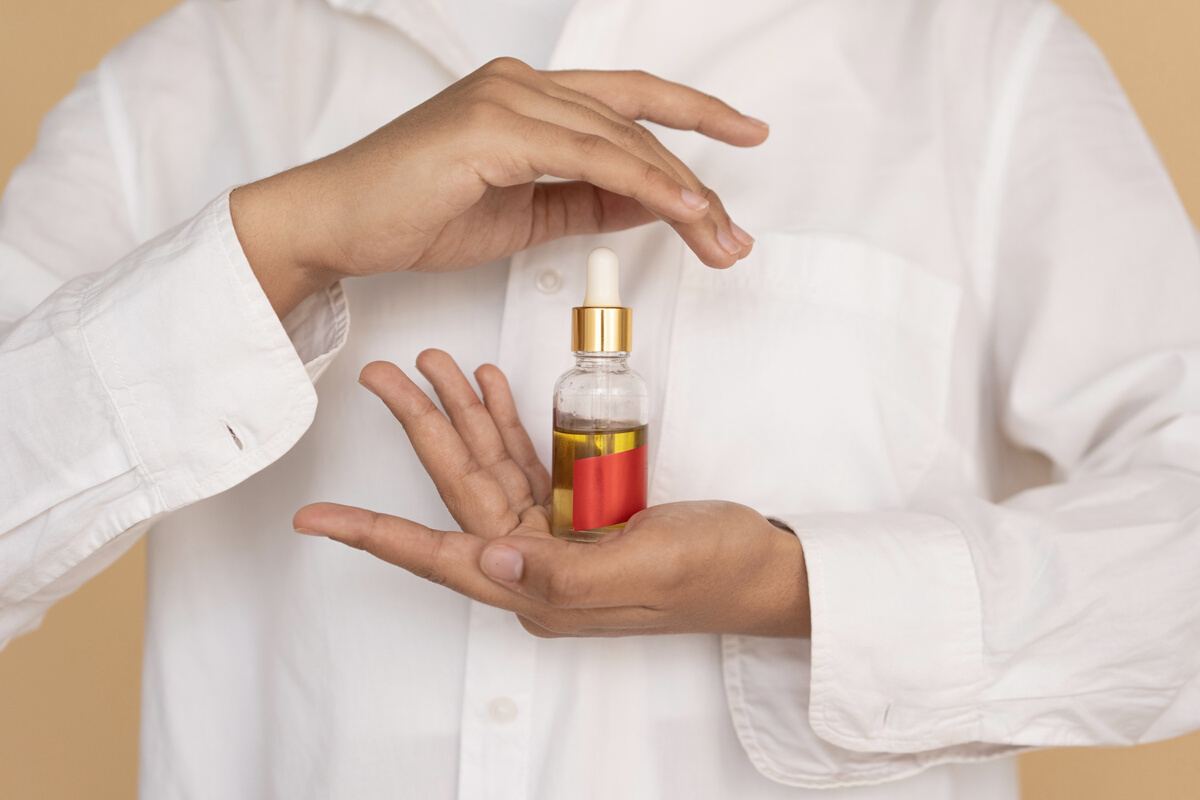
{"x":139,"y":461}
{"x":123,"y":167}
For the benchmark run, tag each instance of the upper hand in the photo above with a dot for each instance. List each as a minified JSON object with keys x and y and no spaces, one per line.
{"x":710,"y":567}
{"x":451,"y":183}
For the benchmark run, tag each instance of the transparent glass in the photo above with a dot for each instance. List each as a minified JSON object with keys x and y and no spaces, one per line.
{"x":601,"y":407}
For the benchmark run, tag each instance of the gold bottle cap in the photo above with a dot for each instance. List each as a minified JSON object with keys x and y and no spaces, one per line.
{"x":602,"y":324}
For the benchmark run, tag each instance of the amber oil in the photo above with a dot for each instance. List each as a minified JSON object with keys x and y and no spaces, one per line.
{"x":570,"y":446}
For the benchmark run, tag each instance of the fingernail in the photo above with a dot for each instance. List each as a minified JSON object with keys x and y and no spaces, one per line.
{"x":757,"y":122}
{"x":739,"y":234}
{"x":503,"y":564}
{"x":367,"y":387}
{"x":306,"y":531}
{"x":693,"y":200}
{"x":727,"y":243}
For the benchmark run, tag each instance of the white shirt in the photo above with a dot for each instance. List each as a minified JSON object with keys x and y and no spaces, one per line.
{"x":524,"y":29}
{"x":968,"y":252}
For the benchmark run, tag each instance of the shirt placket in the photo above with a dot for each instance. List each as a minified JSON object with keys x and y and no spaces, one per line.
{"x":498,"y":695}
{"x":498,"y":692}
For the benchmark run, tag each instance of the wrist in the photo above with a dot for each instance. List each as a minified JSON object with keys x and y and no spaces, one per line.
{"x":274,"y":225}
{"x":786,"y":611}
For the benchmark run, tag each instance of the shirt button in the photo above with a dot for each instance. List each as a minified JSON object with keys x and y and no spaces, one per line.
{"x":548,"y":281}
{"x":502,"y":710}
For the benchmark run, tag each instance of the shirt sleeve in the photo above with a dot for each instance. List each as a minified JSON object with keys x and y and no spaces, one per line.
{"x":1068,"y":614}
{"x":128,"y":389}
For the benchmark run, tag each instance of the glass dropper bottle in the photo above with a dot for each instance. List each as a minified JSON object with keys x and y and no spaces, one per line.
{"x":601,"y":410}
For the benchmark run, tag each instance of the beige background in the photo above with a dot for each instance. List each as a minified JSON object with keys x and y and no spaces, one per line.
{"x":69,"y":693}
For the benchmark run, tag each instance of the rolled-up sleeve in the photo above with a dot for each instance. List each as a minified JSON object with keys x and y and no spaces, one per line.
{"x":1068,"y":614}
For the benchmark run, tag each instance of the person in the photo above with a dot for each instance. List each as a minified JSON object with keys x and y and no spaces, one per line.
{"x":969,"y":265}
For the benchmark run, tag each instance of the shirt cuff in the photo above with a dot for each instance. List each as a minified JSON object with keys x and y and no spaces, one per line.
{"x":889,"y":684}
{"x":207,"y":382}
{"x":897,"y":631}
{"x":318,"y":328}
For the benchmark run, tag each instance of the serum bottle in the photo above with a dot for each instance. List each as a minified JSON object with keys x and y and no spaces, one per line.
{"x":600,"y":413}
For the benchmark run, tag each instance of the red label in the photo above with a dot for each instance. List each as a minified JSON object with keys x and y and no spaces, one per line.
{"x":608,"y":489}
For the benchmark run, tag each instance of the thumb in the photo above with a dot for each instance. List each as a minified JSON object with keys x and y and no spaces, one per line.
{"x":560,"y":573}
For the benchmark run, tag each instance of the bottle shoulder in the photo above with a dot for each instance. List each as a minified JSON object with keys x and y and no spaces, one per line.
{"x":618,"y":381}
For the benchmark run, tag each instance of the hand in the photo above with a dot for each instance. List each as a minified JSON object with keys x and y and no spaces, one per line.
{"x":709,"y":567}
{"x":451,"y":183}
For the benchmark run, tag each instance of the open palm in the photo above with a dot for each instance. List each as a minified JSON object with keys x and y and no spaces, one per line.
{"x":709,"y":566}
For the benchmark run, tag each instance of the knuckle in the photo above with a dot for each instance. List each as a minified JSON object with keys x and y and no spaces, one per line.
{"x":416,"y":414}
{"x":713,"y":199}
{"x":367,"y":538}
{"x":433,"y":576}
{"x":432,"y":571}
{"x":629,"y":138}
{"x":471,"y":411}
{"x":652,"y":175}
{"x":458,"y":473}
{"x":422,"y":407}
{"x":505,"y":65}
{"x":590,"y":145}
{"x":647,"y":136}
{"x":491,"y":84}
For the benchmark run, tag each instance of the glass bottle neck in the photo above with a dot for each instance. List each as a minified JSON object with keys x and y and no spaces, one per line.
{"x":600,"y":360}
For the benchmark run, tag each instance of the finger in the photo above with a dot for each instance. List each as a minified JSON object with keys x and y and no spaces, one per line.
{"x":645,"y":144}
{"x":508,"y":86}
{"x":624,"y":131}
{"x":730,"y":236}
{"x":574,"y":575}
{"x":443,"y":557}
{"x":497,"y":397}
{"x":451,"y":559}
{"x":642,"y":142}
{"x":536,"y":147}
{"x":577,"y":111}
{"x":472,"y":495}
{"x":550,"y":102}
{"x":597,"y":632}
{"x":537,"y":630}
{"x":551,"y":149}
{"x":475,"y":426}
{"x":638,"y":95}
{"x":574,"y":208}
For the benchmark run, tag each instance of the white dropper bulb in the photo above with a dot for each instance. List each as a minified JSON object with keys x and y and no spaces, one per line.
{"x":603,"y":271}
